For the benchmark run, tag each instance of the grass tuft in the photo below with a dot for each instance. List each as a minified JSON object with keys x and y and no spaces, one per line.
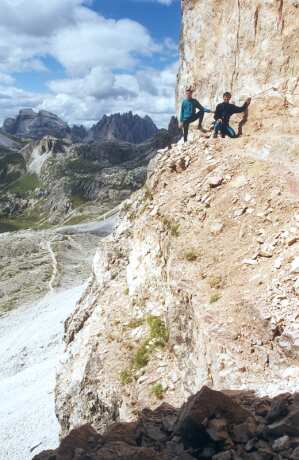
{"x":126,"y":376}
{"x":215,"y":297}
{"x":158,"y":391}
{"x":172,"y":226}
{"x":158,"y":330}
{"x":215,"y":281}
{"x":191,"y":255}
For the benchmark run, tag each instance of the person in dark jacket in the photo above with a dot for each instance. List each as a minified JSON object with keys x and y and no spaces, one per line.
{"x":223,"y":113}
{"x":189,"y":114}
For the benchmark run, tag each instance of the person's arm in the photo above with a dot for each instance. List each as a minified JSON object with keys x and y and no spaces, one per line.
{"x":236,"y":109}
{"x":198,"y":106}
{"x":182,"y":109}
{"x":217,"y":115}
{"x":201,"y":107}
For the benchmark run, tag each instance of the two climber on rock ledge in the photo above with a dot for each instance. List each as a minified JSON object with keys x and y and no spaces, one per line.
{"x":222,"y":115}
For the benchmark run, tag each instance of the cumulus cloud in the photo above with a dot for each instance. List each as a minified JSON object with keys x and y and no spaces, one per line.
{"x":148,"y":92}
{"x":96,"y":41}
{"x":103,"y":61}
{"x":6,"y":79}
{"x":166,"y":2}
{"x":13,"y":99}
{"x":37,"y":17}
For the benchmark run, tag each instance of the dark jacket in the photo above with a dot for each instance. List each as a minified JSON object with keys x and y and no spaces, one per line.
{"x":225,"y":110}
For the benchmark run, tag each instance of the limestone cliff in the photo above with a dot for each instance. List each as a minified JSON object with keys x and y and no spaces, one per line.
{"x":199,"y":283}
{"x":248,"y":47}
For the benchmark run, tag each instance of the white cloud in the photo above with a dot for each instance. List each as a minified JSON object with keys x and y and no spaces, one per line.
{"x":13,"y":99}
{"x":102,"y":58}
{"x":166,"y":2}
{"x":149,"y":92}
{"x":96,"y":41}
{"x":6,"y":79}
{"x":162,"y":2}
{"x":37,"y":17}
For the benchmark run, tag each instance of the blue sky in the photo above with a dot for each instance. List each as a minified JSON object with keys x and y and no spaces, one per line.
{"x":83,"y":58}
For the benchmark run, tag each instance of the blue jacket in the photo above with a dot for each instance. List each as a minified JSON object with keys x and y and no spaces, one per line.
{"x":189,"y":107}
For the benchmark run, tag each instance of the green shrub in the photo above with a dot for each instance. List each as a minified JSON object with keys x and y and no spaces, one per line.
{"x":158,"y":337}
{"x":126,"y":376}
{"x":142,"y":355}
{"x":215,"y":297}
{"x":148,"y":193}
{"x":191,"y":255}
{"x":158,"y":330}
{"x":172,"y":226}
{"x":158,"y":391}
{"x":215,"y":281}
{"x":134,"y":323}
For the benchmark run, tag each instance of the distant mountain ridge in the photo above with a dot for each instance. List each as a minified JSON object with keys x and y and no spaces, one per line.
{"x":127,"y":127}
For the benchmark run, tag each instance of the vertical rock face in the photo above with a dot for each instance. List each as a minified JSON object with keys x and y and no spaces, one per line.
{"x":248,"y":47}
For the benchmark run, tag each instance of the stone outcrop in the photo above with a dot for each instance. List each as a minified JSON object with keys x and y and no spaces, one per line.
{"x":174,"y":131}
{"x":210,"y":425}
{"x":126,"y":127}
{"x":29,"y":124}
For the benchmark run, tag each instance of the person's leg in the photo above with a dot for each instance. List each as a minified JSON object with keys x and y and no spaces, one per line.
{"x":217,"y":128}
{"x":230,"y":132}
{"x":200,"y":116}
{"x":186,"y":130}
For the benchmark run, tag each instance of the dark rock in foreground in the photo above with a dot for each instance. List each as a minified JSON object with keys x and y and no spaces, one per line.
{"x":174,"y":130}
{"x":211,"y":425}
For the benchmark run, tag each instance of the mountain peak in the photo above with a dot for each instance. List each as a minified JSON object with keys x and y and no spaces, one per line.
{"x":127,"y":127}
{"x":29,"y":124}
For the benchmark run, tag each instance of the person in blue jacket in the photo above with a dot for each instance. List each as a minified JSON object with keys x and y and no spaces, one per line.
{"x":189,"y":114}
{"x":223,"y":112}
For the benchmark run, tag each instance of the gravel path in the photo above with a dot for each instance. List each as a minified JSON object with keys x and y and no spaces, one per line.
{"x":30,"y":344}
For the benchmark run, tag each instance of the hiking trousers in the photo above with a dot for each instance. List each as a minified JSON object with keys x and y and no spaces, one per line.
{"x":197,"y":116}
{"x":224,"y":129}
